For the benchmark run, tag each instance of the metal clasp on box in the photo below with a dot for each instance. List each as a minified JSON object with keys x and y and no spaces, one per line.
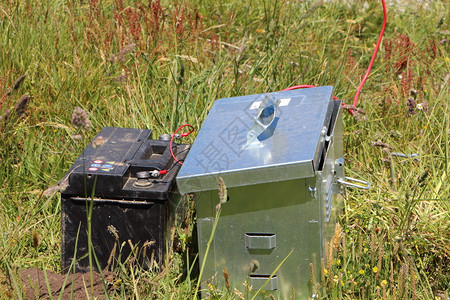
{"x":350,"y":182}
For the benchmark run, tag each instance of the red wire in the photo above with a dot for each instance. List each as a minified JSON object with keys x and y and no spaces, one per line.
{"x":306,"y":86}
{"x":182,"y":135}
{"x":373,"y":56}
{"x":302,"y":86}
{"x":355,"y":101}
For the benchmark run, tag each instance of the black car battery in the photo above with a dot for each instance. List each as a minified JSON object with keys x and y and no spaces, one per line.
{"x":124,"y":183}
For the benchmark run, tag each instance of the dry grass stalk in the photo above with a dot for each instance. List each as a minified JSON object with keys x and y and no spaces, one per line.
{"x":402,"y":281}
{"x":227,"y":281}
{"x":337,"y":237}
{"x":114,"y":232}
{"x":380,"y":259}
{"x":413,"y":282}
{"x":330,"y":265}
{"x":391,"y":277}
{"x":322,"y":272}
{"x":313,"y":278}
{"x":373,"y":247}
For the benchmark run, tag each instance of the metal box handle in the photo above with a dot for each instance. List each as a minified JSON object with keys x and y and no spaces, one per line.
{"x":266,"y":241}
{"x":257,"y":281}
{"x":349,"y":183}
{"x":264,"y":118}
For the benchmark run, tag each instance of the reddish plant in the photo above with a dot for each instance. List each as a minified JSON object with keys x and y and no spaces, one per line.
{"x":431,"y":49}
{"x":196,"y":20}
{"x":94,"y":10}
{"x":407,"y":81}
{"x":153,"y":17}
{"x":178,"y":17}
{"x":118,"y":12}
{"x":93,"y":16}
{"x":109,"y":36}
{"x":398,"y":52}
{"x":350,"y":63}
{"x":214,"y":40}
{"x":147,"y":24}
{"x":134,"y":26}
{"x":4,"y":91}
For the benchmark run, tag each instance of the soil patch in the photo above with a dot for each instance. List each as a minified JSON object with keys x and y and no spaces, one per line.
{"x":77,"y":285}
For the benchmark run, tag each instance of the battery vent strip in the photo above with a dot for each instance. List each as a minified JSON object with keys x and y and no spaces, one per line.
{"x":115,"y":201}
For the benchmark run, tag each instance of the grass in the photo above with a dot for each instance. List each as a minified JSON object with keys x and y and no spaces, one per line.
{"x":162,"y":64}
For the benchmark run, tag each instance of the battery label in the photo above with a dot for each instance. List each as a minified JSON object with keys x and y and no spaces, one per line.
{"x":100,"y":165}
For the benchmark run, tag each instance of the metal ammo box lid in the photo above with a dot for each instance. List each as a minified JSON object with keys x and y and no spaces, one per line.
{"x":288,"y":146}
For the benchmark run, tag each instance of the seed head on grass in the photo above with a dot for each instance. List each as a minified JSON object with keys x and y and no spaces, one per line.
{"x":80,"y":119}
{"x":337,"y":237}
{"x":21,"y":104}
{"x":238,"y":294}
{"x":18,"y":82}
{"x":381,"y":255}
{"x":51,"y":190}
{"x":312,"y":277}
{"x":16,"y":85}
{"x":126,"y":50}
{"x":413,"y":282}
{"x":35,"y":240}
{"x":77,"y":137}
{"x":223,"y":193}
{"x":226,"y":277}
{"x":381,"y":144}
{"x":60,"y":187}
{"x":98,"y":141}
{"x":112,"y":230}
{"x":411,"y":104}
{"x":323,"y":272}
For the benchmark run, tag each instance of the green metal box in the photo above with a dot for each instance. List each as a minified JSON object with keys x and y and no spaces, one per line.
{"x":280,"y":156}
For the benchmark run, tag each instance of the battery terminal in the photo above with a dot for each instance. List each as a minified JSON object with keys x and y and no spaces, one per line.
{"x":144,"y":178}
{"x":156,"y":173}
